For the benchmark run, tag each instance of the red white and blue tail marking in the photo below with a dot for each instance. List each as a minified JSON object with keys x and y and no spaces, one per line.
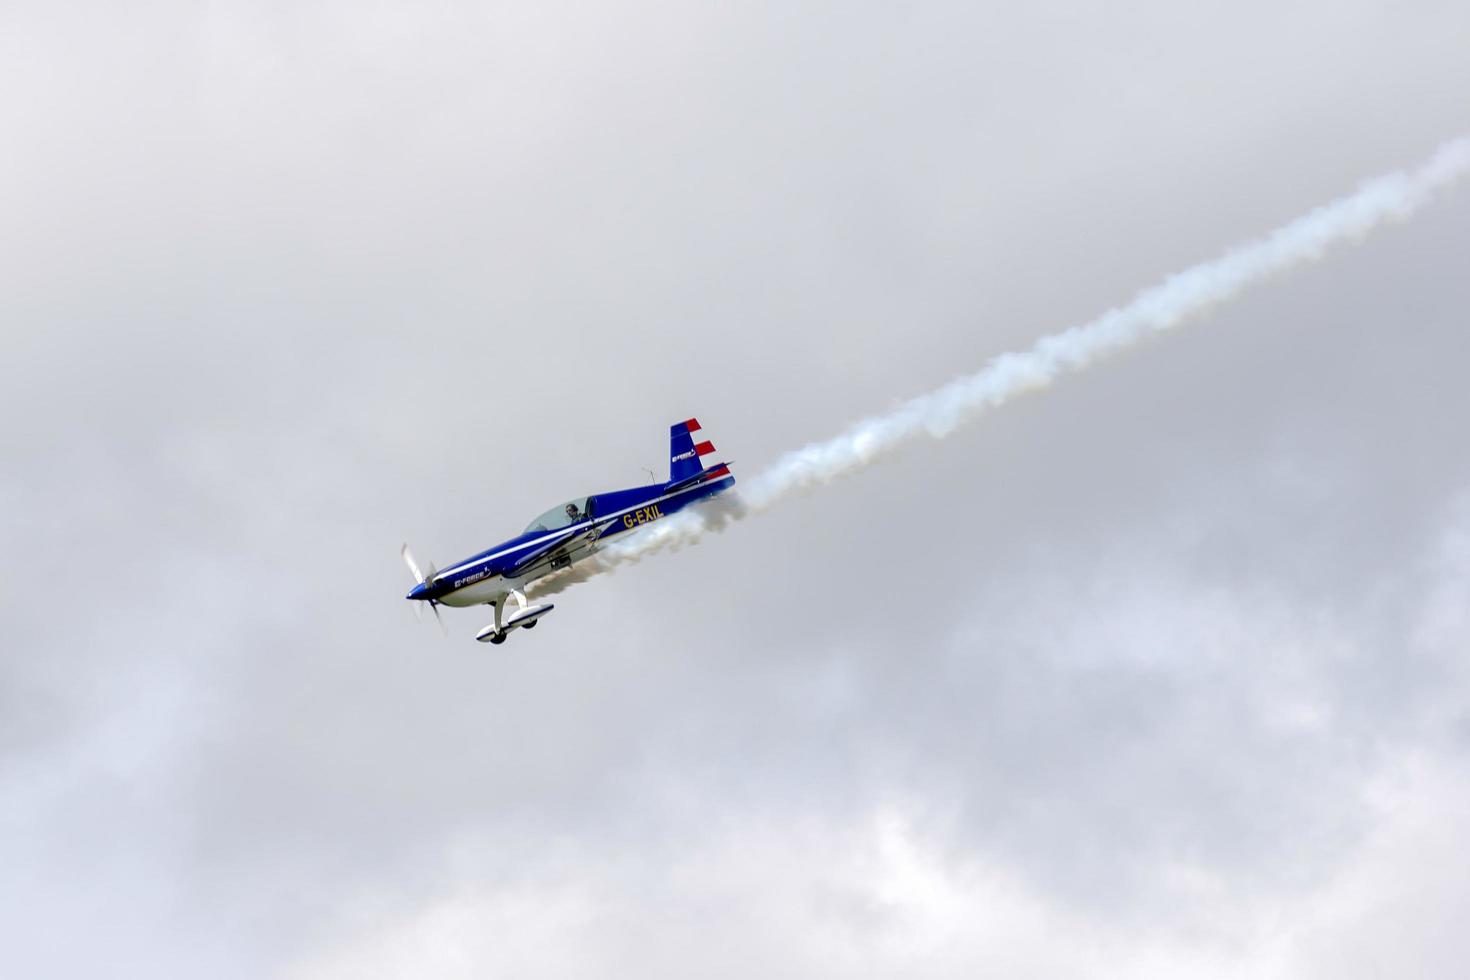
{"x":684,"y":452}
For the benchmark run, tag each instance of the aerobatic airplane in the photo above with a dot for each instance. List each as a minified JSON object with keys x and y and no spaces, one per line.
{"x":565,"y":535}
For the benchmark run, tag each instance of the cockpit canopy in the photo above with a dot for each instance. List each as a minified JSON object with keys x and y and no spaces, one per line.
{"x":563,"y":515}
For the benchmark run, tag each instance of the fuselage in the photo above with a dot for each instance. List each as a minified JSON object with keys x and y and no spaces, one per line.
{"x":539,"y":551}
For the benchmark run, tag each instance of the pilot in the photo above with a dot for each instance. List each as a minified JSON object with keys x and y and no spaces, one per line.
{"x":572,"y":513}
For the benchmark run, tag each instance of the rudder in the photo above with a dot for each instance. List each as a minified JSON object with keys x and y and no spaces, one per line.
{"x":684,"y":452}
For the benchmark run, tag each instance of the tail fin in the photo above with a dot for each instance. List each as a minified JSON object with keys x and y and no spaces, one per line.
{"x":684,"y":452}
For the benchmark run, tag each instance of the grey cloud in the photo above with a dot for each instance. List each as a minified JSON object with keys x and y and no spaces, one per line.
{"x":1135,"y":658}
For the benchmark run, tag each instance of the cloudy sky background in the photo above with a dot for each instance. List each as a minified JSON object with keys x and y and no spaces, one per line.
{"x":1161,"y":672}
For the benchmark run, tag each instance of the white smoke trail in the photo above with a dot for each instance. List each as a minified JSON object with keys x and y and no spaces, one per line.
{"x":1176,"y":300}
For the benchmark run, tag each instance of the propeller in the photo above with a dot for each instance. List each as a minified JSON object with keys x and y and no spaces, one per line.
{"x":420,"y":578}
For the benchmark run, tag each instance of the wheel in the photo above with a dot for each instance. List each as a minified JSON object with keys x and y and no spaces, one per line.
{"x":530,"y":625}
{"x":498,"y":638}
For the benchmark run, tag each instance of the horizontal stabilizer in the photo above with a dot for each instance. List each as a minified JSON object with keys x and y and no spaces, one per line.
{"x":715,"y":472}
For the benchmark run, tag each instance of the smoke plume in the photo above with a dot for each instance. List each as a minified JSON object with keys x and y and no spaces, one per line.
{"x":1182,"y":297}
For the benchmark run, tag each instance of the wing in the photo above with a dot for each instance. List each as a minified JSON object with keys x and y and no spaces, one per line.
{"x":552,"y":549}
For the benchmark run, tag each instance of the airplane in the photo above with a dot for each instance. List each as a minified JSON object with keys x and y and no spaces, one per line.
{"x":563,"y":536}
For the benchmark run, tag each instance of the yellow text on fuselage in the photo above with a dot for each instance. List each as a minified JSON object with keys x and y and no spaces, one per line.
{"x":642,"y":516}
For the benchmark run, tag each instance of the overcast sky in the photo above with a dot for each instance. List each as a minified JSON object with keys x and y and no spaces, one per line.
{"x":1159,"y":673}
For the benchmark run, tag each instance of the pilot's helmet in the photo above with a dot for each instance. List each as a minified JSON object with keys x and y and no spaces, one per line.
{"x":572,"y":511}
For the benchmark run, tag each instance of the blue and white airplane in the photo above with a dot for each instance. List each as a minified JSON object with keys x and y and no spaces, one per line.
{"x":565,"y":535}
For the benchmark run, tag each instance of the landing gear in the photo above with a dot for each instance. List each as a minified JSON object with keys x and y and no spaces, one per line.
{"x":530,"y":626}
{"x":496,"y":632}
{"x":525,"y":616}
{"x":492,"y":635}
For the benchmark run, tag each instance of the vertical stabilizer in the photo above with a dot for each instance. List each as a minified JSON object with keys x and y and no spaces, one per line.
{"x":685,"y":452}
